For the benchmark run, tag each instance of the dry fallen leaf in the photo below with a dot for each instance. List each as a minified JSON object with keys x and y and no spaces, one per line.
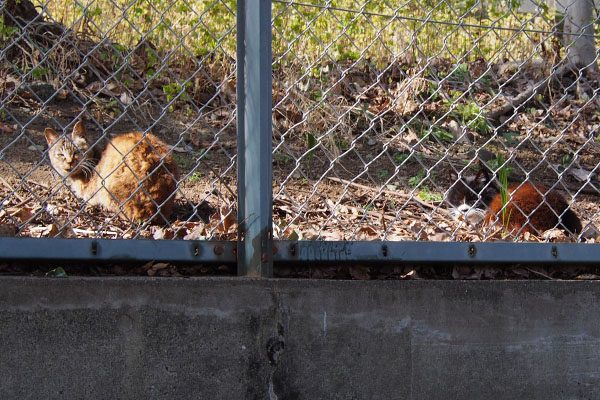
{"x":440,"y":237}
{"x":156,"y":268}
{"x":412,"y":274}
{"x":23,"y":213}
{"x":146,"y":266}
{"x":198,"y":232}
{"x":366,"y":232}
{"x":5,"y":128}
{"x":228,"y":219}
{"x":50,"y":230}
{"x":163,"y":234}
{"x":62,"y":94}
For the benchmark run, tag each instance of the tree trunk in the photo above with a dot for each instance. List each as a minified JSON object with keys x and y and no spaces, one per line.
{"x":579,"y":20}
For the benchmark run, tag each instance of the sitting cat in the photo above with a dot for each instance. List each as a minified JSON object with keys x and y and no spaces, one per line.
{"x":530,"y":208}
{"x":135,"y":174}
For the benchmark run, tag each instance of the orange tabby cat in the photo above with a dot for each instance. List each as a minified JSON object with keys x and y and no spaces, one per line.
{"x":135,"y":174}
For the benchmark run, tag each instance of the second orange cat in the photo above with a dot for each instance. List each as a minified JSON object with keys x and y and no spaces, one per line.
{"x":534,"y":209}
{"x":529,"y":208}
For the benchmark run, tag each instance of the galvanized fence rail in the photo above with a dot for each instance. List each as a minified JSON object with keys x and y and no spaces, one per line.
{"x":345,"y":123}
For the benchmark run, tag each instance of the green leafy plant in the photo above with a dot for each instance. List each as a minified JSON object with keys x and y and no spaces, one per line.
{"x":400,"y":158}
{"x":153,"y":61}
{"x":6,"y":31}
{"x":194,"y":177}
{"x":428,"y":195}
{"x":113,"y":107}
{"x":486,"y":79}
{"x":416,"y":180}
{"x":566,"y":159}
{"x":461,"y":73}
{"x":284,"y":158}
{"x":511,"y":137}
{"x":472,"y":115}
{"x":442,"y":134}
{"x":382,"y":173}
{"x":40,"y":72}
{"x":503,"y":172}
{"x":184,"y":163}
{"x":404,"y":157}
{"x":175,"y":91}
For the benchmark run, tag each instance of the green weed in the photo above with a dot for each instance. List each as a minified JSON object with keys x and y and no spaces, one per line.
{"x":441,"y":134}
{"x":39,"y":73}
{"x":6,"y":31}
{"x":311,"y":143}
{"x":471,"y":115}
{"x":511,"y":138}
{"x":383,"y":173}
{"x":403,"y":157}
{"x":278,"y":156}
{"x":503,"y":173}
{"x":428,"y":195}
{"x":175,"y":91}
{"x":195,"y":177}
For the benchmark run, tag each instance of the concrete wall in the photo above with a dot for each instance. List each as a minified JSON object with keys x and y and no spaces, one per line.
{"x":298,"y":339}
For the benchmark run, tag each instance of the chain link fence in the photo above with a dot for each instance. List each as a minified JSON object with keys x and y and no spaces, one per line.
{"x":119,"y":67}
{"x":379,"y":109}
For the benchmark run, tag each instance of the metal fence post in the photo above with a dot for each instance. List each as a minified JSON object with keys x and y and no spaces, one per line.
{"x":255,"y":175}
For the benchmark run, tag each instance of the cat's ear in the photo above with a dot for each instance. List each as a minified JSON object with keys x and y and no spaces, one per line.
{"x":78,"y":130}
{"x":452,"y":175}
{"x":51,"y":136}
{"x":483,"y":176}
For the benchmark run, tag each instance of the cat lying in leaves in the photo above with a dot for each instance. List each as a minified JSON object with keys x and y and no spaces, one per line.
{"x":135,"y":175}
{"x":530,"y":208}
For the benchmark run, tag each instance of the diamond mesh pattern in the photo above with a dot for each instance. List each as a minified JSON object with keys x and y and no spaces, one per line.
{"x":374,"y":102}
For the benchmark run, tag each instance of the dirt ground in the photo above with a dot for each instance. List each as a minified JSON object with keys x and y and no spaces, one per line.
{"x":363,"y":193}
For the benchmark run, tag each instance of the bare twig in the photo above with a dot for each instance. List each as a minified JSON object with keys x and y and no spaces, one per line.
{"x":535,"y":89}
{"x":8,"y":185}
{"x":390,"y":192}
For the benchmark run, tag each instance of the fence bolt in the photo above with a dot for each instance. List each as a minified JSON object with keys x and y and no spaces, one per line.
{"x":293,"y":249}
{"x":195,"y":249}
{"x":554,"y":252}
{"x":218,"y":250}
{"x":472,"y":250}
{"x":94,"y":248}
{"x":384,"y":250}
